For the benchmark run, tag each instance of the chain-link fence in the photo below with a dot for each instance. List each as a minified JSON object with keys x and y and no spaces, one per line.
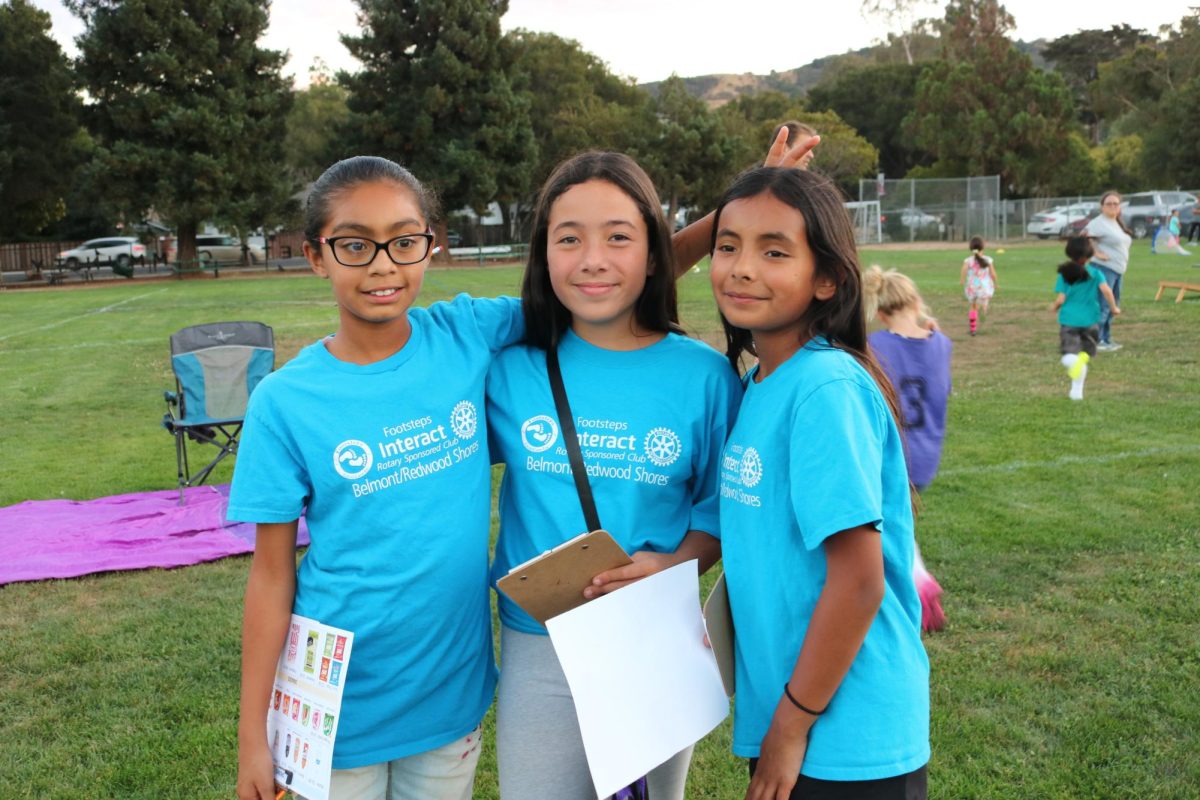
{"x":936,"y":209}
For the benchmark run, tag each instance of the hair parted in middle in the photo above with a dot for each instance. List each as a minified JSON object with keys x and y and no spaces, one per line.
{"x":546,"y":318}
{"x":830,"y":236}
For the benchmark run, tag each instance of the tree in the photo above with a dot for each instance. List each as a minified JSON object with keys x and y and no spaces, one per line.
{"x":41,"y":142}
{"x":843,"y":154}
{"x":312,"y":125}
{"x":1077,"y":58}
{"x":187,"y":111}
{"x":903,"y":15}
{"x":575,"y":104}
{"x":434,"y":96}
{"x":874,"y":101}
{"x":984,"y":109}
{"x":573,"y":98}
{"x":692,"y":151}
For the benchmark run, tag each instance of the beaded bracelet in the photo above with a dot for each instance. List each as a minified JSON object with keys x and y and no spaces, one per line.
{"x":788,"y":693}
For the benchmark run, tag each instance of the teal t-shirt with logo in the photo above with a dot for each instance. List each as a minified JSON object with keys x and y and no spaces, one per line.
{"x":815,"y":451}
{"x":1081,"y":309}
{"x":388,"y":461}
{"x":650,"y":423}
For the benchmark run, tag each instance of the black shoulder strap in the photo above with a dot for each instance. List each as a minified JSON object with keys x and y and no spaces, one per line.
{"x":571,"y":441}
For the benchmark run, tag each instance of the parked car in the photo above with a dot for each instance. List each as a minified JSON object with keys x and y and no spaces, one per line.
{"x":1057,"y":221}
{"x":453,"y":238}
{"x":222,"y":249}
{"x":1141,"y":210}
{"x":1075,"y":227}
{"x":916,"y":218}
{"x":115,"y":251}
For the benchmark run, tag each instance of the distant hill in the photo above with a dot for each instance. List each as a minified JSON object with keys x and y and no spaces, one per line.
{"x":717,"y":90}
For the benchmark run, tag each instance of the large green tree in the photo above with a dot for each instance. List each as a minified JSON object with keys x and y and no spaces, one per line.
{"x":433,"y":94}
{"x":692,"y":154}
{"x":41,"y":141}
{"x":188,"y":112}
{"x":984,"y":109}
{"x":312,"y":125}
{"x":1077,"y":58}
{"x":874,"y":101}
{"x":575,"y":103}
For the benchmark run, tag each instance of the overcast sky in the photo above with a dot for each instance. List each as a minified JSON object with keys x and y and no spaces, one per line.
{"x":650,"y":39}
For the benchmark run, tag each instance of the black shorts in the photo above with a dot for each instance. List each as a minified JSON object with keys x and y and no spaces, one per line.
{"x":910,"y":786}
{"x":1078,"y":340}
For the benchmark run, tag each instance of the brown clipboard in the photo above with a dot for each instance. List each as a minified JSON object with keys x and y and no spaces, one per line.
{"x":553,"y":583}
{"x":718,"y":621}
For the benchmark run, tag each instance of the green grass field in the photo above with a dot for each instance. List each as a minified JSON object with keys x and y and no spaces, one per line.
{"x":1066,"y":536}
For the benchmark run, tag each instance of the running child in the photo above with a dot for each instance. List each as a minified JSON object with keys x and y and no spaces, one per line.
{"x":917,"y":361}
{"x":978,"y":279}
{"x":654,"y":407}
{"x":816,"y":511}
{"x":377,"y":435}
{"x":1079,"y":288}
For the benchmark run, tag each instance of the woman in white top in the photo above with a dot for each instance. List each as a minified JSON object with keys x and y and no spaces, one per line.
{"x":1111,"y":240}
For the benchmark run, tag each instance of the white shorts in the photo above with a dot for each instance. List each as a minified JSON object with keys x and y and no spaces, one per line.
{"x":446,"y":773}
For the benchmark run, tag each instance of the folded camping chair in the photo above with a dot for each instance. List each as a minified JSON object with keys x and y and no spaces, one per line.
{"x":216,"y":368}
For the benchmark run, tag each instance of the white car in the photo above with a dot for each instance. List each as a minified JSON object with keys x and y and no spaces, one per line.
{"x":222,"y":249}
{"x":1054,"y":221}
{"x":117,"y":251}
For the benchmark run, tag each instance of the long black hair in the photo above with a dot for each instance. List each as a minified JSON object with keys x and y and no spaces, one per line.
{"x":546,"y":318}
{"x":830,"y":236}
{"x":1079,"y":250}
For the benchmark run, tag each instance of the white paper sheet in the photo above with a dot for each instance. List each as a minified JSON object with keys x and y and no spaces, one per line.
{"x":644,"y":683}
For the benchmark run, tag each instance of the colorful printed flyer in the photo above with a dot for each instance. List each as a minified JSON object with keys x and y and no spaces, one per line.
{"x":306,"y":704}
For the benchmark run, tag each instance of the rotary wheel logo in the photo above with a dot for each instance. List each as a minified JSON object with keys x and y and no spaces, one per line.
{"x":751,"y":468}
{"x":352,"y":459}
{"x":662,"y":447}
{"x":464,"y":419}
{"x":539,"y":433}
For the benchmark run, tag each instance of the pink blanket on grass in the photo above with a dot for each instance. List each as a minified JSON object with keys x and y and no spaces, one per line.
{"x":42,"y":539}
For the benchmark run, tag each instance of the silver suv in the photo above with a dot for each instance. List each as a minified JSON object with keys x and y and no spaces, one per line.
{"x":1142,"y":210}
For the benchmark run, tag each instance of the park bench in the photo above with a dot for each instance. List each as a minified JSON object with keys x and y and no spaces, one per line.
{"x":1183,"y":287}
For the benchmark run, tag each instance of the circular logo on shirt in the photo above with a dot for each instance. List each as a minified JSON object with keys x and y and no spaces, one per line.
{"x":352,"y":459}
{"x":539,"y":433}
{"x":662,"y":447}
{"x":464,"y":419}
{"x":752,"y":468}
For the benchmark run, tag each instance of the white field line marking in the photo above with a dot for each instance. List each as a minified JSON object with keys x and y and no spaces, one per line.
{"x":81,"y":316}
{"x":108,"y":344}
{"x":1066,"y":461}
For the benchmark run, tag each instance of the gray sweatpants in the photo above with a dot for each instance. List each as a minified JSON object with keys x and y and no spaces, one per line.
{"x":538,"y":744}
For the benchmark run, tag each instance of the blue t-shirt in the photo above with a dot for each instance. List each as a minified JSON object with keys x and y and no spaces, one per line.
{"x":1082,"y":306}
{"x":651,"y":425}
{"x":389,"y":463}
{"x":815,"y":451}
{"x":919,"y":369}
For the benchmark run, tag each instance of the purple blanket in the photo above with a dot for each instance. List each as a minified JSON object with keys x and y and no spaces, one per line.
{"x":66,"y":538}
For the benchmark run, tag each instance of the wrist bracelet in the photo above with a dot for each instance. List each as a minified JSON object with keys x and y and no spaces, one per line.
{"x":788,"y":693}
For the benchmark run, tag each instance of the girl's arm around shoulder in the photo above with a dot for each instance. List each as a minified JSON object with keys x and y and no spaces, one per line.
{"x":499,"y":320}
{"x":270,"y":592}
{"x":849,"y":601}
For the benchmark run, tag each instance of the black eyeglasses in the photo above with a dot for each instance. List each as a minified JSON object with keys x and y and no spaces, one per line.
{"x":357,"y":251}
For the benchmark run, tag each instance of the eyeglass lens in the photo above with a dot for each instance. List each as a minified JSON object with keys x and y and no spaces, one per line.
{"x":355,"y":252}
